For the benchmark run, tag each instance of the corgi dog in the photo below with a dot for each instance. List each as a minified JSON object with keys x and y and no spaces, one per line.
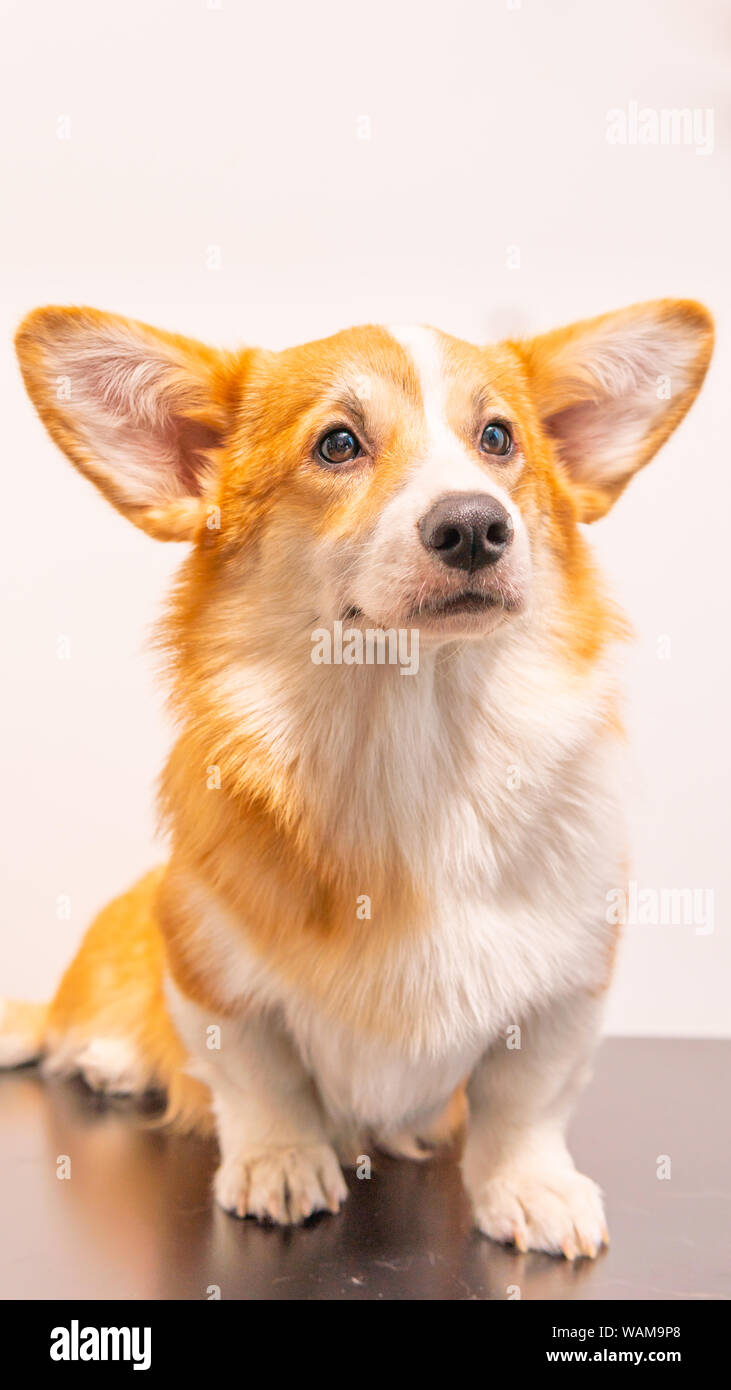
{"x":384,"y":917}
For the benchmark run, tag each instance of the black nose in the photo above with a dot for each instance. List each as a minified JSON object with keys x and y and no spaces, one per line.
{"x":467,"y":530}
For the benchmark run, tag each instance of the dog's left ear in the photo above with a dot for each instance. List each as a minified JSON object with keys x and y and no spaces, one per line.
{"x":142,"y":413}
{"x":610,"y":390}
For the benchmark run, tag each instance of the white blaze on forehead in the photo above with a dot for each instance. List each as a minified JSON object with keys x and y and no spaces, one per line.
{"x":448,"y":465}
{"x":424,"y":350}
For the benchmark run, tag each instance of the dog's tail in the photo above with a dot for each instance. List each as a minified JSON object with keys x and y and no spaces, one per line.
{"x":22,"y":1032}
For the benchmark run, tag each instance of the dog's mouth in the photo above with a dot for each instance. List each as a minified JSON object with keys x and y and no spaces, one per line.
{"x":456,"y":605}
{"x":439,"y":609}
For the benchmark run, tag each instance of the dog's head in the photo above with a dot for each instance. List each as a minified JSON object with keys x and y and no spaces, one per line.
{"x":398,"y":477}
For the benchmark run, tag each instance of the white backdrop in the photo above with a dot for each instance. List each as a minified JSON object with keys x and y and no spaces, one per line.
{"x":272,"y":172}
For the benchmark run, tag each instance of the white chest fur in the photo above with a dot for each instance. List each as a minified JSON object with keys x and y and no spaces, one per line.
{"x":485,"y":958}
{"x":495,"y":782}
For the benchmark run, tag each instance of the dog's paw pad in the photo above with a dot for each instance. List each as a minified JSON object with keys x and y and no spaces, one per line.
{"x":281,"y":1185}
{"x":561,"y":1213}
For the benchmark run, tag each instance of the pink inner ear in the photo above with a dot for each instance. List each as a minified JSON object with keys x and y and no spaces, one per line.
{"x":138,"y":414}
{"x":598,"y":440}
{"x":194,"y":439}
{"x":604,"y":398}
{"x":578,"y":430}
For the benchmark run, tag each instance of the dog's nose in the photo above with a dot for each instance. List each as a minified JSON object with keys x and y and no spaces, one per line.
{"x":467,"y":530}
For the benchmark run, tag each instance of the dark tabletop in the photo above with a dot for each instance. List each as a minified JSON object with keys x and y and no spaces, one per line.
{"x":135,"y":1219}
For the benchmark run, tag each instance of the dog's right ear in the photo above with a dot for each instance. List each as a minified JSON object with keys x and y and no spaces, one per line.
{"x":142,"y":413}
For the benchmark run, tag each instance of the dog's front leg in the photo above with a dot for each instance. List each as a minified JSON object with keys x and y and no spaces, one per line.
{"x":517,"y":1168}
{"x":276,"y":1162}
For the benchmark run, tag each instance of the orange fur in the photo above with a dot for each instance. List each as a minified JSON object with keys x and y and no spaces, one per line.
{"x":113,"y":988}
{"x":244,"y":426}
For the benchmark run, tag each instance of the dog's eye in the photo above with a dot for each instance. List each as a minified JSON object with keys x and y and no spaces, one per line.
{"x":339,"y":446}
{"x":496,"y":439}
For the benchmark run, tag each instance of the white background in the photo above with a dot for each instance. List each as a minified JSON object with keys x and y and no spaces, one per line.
{"x":238,"y":128}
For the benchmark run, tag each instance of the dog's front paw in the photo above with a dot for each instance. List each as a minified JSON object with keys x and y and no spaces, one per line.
{"x":560,"y":1212}
{"x":283,"y":1185}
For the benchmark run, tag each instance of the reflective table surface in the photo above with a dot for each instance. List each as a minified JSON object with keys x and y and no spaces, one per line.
{"x":135,"y":1220}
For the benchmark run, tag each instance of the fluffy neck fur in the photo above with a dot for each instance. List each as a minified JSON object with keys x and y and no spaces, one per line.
{"x":359,"y":773}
